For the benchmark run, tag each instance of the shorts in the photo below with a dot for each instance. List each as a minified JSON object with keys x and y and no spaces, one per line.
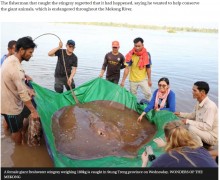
{"x":15,"y":122}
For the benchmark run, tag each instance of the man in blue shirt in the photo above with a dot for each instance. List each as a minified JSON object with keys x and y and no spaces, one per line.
{"x":11,"y":50}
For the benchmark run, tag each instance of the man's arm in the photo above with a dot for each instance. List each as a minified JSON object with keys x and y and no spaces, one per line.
{"x":53,"y":51}
{"x":70,"y":79}
{"x":207,"y":121}
{"x":34,"y":113}
{"x":30,"y":91}
{"x":149,"y":76}
{"x":126,"y":72}
{"x":191,"y":115}
{"x":122,"y":62}
{"x":188,"y":116}
{"x":149,"y":70}
{"x":102,"y":73}
{"x":19,"y":81}
{"x":105,"y":63}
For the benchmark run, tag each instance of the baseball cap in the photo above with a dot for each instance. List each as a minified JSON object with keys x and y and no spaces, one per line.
{"x":71,"y":42}
{"x":115,"y":44}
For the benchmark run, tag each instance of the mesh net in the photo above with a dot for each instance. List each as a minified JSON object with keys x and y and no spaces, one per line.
{"x":48,"y":102}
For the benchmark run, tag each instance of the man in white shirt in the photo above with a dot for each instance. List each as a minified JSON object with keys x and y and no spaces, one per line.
{"x":203,"y":121}
{"x":15,"y":94}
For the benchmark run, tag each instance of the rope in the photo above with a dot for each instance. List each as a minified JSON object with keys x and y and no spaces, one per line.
{"x":47,"y":34}
{"x":64,"y":64}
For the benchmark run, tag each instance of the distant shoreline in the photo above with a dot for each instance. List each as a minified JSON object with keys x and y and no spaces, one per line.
{"x":169,"y":29}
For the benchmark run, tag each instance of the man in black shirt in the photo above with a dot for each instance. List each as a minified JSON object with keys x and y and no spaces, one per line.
{"x":66,"y":63}
{"x":114,"y":61}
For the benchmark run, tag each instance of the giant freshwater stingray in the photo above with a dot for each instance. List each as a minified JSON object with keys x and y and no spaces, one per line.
{"x":99,"y":129}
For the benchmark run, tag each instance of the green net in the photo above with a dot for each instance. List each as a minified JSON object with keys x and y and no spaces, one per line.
{"x":48,"y":102}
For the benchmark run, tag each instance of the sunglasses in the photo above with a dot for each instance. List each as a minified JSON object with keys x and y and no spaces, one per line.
{"x":115,"y":47}
{"x":71,"y":46}
{"x":162,"y":85}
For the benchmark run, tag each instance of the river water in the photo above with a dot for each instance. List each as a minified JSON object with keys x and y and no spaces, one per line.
{"x":183,"y":57}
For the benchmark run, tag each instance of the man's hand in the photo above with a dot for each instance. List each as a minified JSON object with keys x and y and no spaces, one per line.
{"x":69,"y":81}
{"x":35,"y":115}
{"x":60,"y":44}
{"x":122,"y":84}
{"x":149,"y":82}
{"x":126,"y":72}
{"x":177,"y":113}
{"x":28,"y":78}
{"x":184,"y":120}
{"x":31,"y":92}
